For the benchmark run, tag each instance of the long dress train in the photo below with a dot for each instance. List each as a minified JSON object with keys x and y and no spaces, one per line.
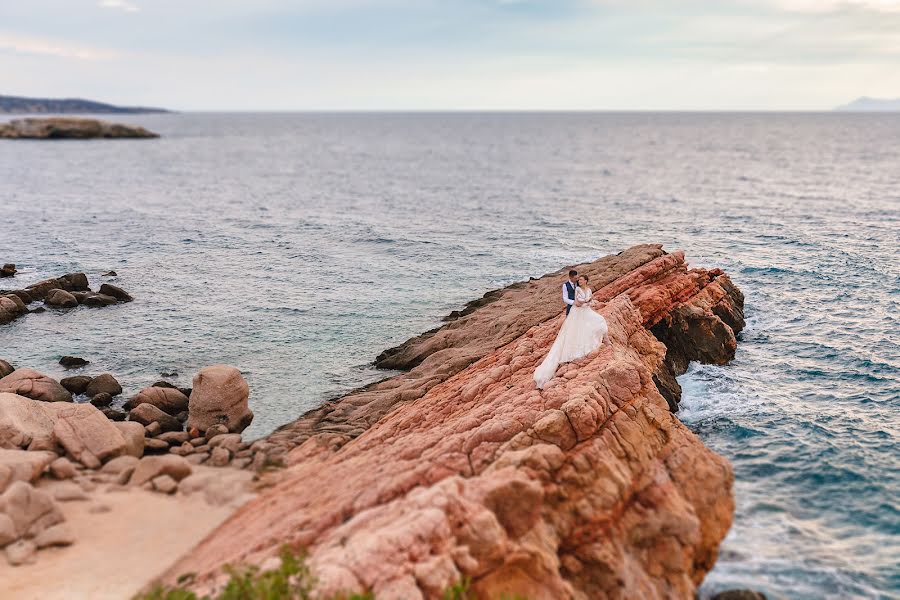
{"x":582,"y":333}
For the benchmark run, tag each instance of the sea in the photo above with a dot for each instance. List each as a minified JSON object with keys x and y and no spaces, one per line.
{"x":298,"y":246}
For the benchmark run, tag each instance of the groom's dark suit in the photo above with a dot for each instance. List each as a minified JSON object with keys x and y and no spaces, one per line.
{"x":569,"y":289}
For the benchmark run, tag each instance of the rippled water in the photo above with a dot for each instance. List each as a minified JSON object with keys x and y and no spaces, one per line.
{"x":299,"y":246}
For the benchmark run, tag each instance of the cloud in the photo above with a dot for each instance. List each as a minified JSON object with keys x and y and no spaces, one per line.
{"x":123,"y":5}
{"x":24,"y":44}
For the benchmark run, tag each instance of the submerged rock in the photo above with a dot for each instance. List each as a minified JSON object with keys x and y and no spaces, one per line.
{"x":52,"y":128}
{"x":73,"y":362}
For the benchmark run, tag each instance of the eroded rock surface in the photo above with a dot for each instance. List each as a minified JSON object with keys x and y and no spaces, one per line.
{"x":590,"y":488}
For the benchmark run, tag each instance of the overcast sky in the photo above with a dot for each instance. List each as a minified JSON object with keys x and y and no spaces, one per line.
{"x":453,"y":54}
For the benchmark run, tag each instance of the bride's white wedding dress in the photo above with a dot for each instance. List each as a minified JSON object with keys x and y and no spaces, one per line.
{"x":582,"y":333}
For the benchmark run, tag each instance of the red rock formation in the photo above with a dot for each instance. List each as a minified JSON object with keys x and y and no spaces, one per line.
{"x":590,"y":488}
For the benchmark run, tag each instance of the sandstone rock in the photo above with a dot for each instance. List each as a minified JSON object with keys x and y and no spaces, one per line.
{"x":52,"y":128}
{"x":60,"y":299}
{"x":219,"y":457}
{"x":229,"y":441}
{"x":169,"y":400}
{"x":21,"y":552}
{"x":102,"y":399}
{"x":31,"y":510}
{"x":73,"y":362}
{"x":77,"y":384}
{"x":146,"y":414}
{"x":155,"y":446}
{"x":8,"y":270}
{"x":5,"y":368}
{"x":116,"y":292}
{"x":98,"y":300}
{"x":174,"y":438}
{"x":590,"y":488}
{"x":164,"y":484}
{"x":34,"y":385}
{"x":152,"y":429}
{"x":104,"y":383}
{"x":214,"y":431}
{"x":88,"y":435}
{"x":25,"y":423}
{"x":57,"y":535}
{"x":133,"y":433}
{"x":151,"y":467}
{"x":20,"y":465}
{"x":62,"y":468}
{"x":219,"y":396}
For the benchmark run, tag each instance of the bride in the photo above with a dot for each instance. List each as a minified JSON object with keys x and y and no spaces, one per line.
{"x":582,"y":332}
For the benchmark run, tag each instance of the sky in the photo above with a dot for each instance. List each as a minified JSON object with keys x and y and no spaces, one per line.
{"x":453,"y":54}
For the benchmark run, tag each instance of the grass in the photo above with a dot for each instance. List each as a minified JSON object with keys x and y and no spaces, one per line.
{"x":292,"y":580}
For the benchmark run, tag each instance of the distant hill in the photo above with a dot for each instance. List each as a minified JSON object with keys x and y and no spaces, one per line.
{"x":20,"y":105}
{"x":865,"y":104}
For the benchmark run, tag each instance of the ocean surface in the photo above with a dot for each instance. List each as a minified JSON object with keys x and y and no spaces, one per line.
{"x":298,"y":246}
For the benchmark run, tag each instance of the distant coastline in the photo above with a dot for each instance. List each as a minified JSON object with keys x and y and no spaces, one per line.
{"x":866,"y":104}
{"x":20,"y":105}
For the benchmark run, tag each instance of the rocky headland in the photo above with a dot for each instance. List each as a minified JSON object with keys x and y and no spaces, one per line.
{"x":461,"y":469}
{"x":58,"y":128}
{"x":456,"y":469}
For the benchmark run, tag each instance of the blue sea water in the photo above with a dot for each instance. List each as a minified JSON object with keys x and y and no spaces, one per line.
{"x":297,"y":246}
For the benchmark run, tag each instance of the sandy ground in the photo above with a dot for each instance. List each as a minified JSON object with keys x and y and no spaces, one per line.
{"x":116,"y":552}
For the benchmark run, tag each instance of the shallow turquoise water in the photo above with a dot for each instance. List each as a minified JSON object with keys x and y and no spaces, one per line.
{"x":297,"y":247}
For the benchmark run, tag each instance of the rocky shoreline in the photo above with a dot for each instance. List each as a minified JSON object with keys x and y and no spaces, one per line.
{"x":461,"y":469}
{"x":455,"y":469}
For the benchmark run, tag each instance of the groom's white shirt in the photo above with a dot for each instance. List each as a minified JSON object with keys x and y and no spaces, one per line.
{"x":566,"y":298}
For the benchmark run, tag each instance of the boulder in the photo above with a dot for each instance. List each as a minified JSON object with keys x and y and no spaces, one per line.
{"x":21,"y":552}
{"x":20,"y":304}
{"x":174,"y":438}
{"x":73,"y":362}
{"x":34,"y":385}
{"x":22,"y":295}
{"x":133,"y":433}
{"x":152,"y":429}
{"x":77,"y":282}
{"x":77,"y":384}
{"x":215,"y":430}
{"x":8,"y":270}
{"x":31,"y":510}
{"x":103,"y":383}
{"x":56,"y":535}
{"x":113,"y":414}
{"x":145,"y":414}
{"x":96,"y":300}
{"x":60,"y":299}
{"x":120,"y":464}
{"x":80,"y":296}
{"x":219,"y":457}
{"x":220,"y":396}
{"x":25,"y":423}
{"x":229,"y":441}
{"x":152,"y":467}
{"x":88,"y":435}
{"x":62,"y":468}
{"x":21,"y":465}
{"x":116,"y":292}
{"x":155,"y":446}
{"x":164,"y":484}
{"x":169,"y":400}
{"x":5,"y":368}
{"x":9,"y":310}
{"x":102,"y":399}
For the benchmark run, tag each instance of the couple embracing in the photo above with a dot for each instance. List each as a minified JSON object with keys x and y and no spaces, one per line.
{"x":582,"y":332}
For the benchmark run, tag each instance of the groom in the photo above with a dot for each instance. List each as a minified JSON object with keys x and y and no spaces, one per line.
{"x":568,"y":290}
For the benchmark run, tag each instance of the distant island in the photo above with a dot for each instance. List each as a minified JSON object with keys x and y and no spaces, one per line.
{"x":866,"y":104}
{"x":18,"y":105}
